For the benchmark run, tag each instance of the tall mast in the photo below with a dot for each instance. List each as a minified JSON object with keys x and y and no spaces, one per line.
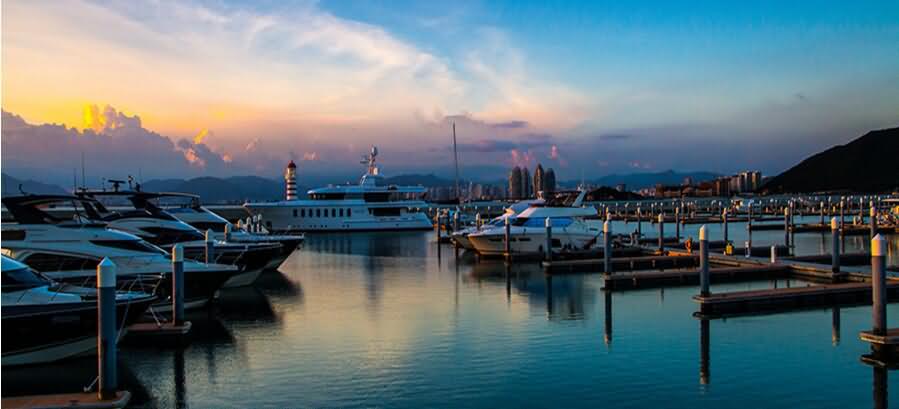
{"x":456,"y":160}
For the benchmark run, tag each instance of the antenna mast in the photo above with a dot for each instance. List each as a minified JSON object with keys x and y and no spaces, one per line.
{"x":456,"y":161}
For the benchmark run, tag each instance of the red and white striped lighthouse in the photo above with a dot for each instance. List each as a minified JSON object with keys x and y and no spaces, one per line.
{"x":290,"y":176}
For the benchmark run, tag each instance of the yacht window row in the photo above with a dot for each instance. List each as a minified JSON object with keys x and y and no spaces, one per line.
{"x":327,"y":212}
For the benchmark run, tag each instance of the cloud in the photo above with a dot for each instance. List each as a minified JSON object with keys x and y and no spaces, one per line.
{"x":201,"y":136}
{"x":310,"y":156}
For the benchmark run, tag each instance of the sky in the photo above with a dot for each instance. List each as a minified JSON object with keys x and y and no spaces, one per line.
{"x":189,"y":88}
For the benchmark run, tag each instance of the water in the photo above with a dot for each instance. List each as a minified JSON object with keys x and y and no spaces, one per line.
{"x":377,"y":320}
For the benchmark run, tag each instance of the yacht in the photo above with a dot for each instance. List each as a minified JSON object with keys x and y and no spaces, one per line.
{"x":69,"y":251}
{"x":187,"y":208}
{"x":461,"y":237}
{"x":571,"y":230}
{"x":153,"y":224}
{"x":45,"y":321}
{"x":370,"y":205}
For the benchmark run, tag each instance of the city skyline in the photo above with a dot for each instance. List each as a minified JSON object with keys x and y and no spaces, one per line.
{"x":185,"y":89}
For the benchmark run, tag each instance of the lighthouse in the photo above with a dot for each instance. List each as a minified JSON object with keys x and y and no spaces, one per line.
{"x":290,"y":176}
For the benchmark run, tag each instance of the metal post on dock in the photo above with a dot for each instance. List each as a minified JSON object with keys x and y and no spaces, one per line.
{"x":677,"y":223}
{"x":873,"y":221}
{"x":724,"y":218}
{"x":178,"y":284}
{"x":507,"y":233}
{"x":703,"y":261}
{"x":639,"y":224}
{"x":835,"y":252}
{"x":477,"y":220}
{"x":773,"y":253}
{"x":456,"y":220}
{"x":879,"y":285}
{"x":437,"y":231}
{"x":607,"y":246}
{"x":549,"y":240}
{"x":749,"y":226}
{"x":106,"y":338}
{"x":661,"y":232}
{"x":227,"y":231}
{"x":842,"y":210}
{"x":787,"y":227}
{"x":822,"y":213}
{"x":210,"y":247}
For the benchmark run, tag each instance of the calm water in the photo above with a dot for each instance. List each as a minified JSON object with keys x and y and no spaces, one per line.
{"x":377,"y":320}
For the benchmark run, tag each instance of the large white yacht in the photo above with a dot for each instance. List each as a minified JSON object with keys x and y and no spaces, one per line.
{"x":461,"y":237}
{"x":370,"y":205}
{"x":571,"y":230}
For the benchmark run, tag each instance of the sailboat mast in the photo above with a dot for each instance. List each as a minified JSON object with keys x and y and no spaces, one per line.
{"x":456,"y":160}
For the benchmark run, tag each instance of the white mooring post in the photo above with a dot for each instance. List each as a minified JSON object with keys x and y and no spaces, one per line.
{"x":879,"y":285}
{"x":607,"y":246}
{"x":703,"y":261}
{"x":210,"y":247}
{"x":106,"y":339}
{"x":549,"y":239}
{"x":178,"y":284}
{"x":835,"y":246}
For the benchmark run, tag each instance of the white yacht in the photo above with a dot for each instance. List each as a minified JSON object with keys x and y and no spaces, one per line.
{"x":370,"y":205}
{"x":461,"y":237}
{"x":571,"y":230}
{"x":69,"y":251}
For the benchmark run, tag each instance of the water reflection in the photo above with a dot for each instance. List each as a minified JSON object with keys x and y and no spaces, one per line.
{"x":607,"y":333}
{"x":881,"y":386}
{"x":372,"y":244}
{"x":704,"y":355}
{"x":835,"y":326}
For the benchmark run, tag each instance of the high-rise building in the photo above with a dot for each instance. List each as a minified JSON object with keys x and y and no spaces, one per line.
{"x":549,"y":181}
{"x":539,"y":180}
{"x":525,"y":183}
{"x":515,"y":183}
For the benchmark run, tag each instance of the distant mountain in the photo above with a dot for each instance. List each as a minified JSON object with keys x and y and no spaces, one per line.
{"x":11,"y":187}
{"x":868,"y":164}
{"x":235,"y":189}
{"x":607,"y":193}
{"x":428,"y":180}
{"x":635,"y":181}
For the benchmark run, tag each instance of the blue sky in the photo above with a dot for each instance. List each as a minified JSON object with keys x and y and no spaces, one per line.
{"x":595,"y":87}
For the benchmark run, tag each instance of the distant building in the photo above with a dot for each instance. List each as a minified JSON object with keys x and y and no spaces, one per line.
{"x":526,"y":190}
{"x":539,"y":180}
{"x":515,"y":185}
{"x":549,"y":181}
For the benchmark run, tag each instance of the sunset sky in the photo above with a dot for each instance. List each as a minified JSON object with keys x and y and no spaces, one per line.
{"x":187,"y":88}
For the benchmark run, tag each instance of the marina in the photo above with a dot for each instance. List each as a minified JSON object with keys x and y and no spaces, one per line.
{"x":445,"y":296}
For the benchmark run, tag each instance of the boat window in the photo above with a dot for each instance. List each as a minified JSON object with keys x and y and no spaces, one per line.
{"x":341,"y":212}
{"x":218,"y":227}
{"x":294,"y":212}
{"x":14,"y":235}
{"x":22,"y":279}
{"x":349,"y":212}
{"x":541,"y":222}
{"x":318,"y":212}
{"x":45,"y":262}
{"x":303,"y":212}
{"x":377,"y":197}
{"x":385,"y":211}
{"x":133,"y":245}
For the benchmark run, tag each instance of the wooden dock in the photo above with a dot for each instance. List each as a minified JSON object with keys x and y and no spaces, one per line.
{"x":638,"y":280}
{"x":597,"y":265}
{"x":67,"y":400}
{"x":780,"y":299}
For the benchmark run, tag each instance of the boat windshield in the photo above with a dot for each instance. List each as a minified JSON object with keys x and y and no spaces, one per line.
{"x":22,"y":279}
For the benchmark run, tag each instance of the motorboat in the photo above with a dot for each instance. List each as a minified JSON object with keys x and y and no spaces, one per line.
{"x":157,"y":226}
{"x":45,"y":321}
{"x":187,"y":208}
{"x":371,"y":205}
{"x":570,"y":229}
{"x":460,"y":237}
{"x":69,"y":251}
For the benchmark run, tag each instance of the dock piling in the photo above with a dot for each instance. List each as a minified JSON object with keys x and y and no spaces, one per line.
{"x":873,"y":221}
{"x":607,"y":246}
{"x":835,"y":246}
{"x":178,"y":284}
{"x":773,"y":253}
{"x":703,"y":261}
{"x":210,"y":247}
{"x":227,"y":231}
{"x":879,"y":285}
{"x":677,"y":223}
{"x":549,"y":240}
{"x":661,"y":232}
{"x":787,"y":227}
{"x":724,"y":218}
{"x":639,"y":223}
{"x":507,"y":233}
{"x":106,"y":339}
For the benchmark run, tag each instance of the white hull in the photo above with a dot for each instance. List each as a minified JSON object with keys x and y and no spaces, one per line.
{"x":288,"y":217}
{"x":462,"y":240}
{"x":530,"y":242}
